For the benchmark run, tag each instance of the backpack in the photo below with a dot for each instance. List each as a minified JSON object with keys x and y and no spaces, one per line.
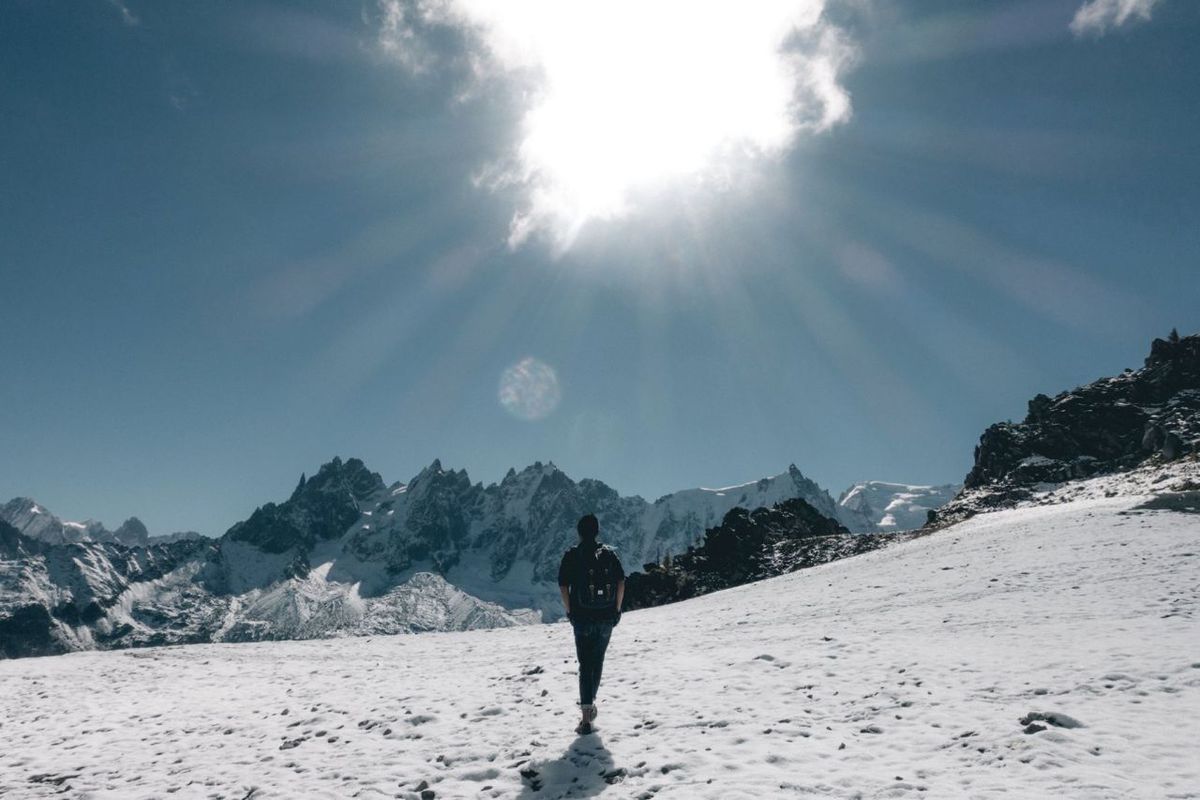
{"x":597,"y":575}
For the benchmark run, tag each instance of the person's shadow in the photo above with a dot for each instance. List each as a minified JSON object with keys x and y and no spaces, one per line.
{"x":584,"y":769}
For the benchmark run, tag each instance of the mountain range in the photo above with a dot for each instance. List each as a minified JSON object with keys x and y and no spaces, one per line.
{"x":33,"y":520}
{"x":349,"y":554}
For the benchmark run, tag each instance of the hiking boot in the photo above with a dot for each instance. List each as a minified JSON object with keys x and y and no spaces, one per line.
{"x":583,"y":728}
{"x":590,"y":712}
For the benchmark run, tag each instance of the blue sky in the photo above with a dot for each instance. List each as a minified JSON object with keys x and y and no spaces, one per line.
{"x":239,"y":239}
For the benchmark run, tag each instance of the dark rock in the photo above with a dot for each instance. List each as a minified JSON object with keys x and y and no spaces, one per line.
{"x":28,"y":631}
{"x":1109,"y":425}
{"x":1056,"y":719}
{"x":320,"y":508}
{"x":1173,"y":446}
{"x":749,"y":546}
{"x":615,"y":775}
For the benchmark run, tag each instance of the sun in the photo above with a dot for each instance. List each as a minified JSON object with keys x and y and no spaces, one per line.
{"x":624,"y":98}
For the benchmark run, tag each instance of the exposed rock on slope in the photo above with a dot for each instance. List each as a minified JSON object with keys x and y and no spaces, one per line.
{"x":1110,"y":425}
{"x":749,"y":546}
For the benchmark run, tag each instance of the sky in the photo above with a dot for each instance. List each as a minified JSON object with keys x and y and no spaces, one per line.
{"x":660,"y":246}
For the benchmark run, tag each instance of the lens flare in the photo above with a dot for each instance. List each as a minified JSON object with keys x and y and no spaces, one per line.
{"x":529,"y":389}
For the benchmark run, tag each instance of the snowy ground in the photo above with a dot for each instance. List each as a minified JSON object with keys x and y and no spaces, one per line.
{"x":902,"y":673}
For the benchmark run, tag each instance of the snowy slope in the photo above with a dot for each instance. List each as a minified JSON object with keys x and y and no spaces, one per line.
{"x":894,"y":506}
{"x":905,"y":672}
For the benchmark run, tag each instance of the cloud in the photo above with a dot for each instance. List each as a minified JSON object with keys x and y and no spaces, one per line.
{"x":1096,"y":17}
{"x":400,"y":34}
{"x":622,"y":99}
{"x":127,"y":16}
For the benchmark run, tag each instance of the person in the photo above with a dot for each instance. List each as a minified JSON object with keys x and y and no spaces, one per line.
{"x":592,"y":583}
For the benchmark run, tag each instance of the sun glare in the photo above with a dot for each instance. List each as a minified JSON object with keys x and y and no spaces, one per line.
{"x":626,"y":97}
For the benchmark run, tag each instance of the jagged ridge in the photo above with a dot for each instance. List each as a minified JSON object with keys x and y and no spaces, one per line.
{"x":347,"y":554}
{"x":1110,"y":425}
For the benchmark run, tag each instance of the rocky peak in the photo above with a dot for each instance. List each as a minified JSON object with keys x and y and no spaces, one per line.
{"x":433,"y":481}
{"x":351,"y":476}
{"x":801,"y":481}
{"x":20,"y":512}
{"x":322,"y":507}
{"x":36,"y":522}
{"x":132,"y":532}
{"x":1110,"y":425}
{"x":24,"y":505}
{"x":1173,"y":364}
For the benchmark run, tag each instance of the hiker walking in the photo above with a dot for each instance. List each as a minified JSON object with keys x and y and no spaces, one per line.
{"x":592,"y":583}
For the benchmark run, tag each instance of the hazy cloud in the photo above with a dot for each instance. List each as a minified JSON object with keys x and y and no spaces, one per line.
{"x":1097,"y":17}
{"x":622,"y":97}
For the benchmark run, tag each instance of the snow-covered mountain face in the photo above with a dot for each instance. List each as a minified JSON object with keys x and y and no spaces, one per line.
{"x":36,"y":522}
{"x":347,"y":554}
{"x":500,"y":542}
{"x":82,"y":595}
{"x":889,"y":507}
{"x":56,"y":598}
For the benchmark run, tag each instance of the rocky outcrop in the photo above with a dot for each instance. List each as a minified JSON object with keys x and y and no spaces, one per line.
{"x":1111,"y":425}
{"x":749,"y":546}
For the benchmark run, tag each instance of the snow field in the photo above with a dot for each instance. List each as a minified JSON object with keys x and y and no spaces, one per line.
{"x":907,"y":672}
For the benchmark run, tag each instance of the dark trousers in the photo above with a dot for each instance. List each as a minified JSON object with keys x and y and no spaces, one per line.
{"x":591,"y":641}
